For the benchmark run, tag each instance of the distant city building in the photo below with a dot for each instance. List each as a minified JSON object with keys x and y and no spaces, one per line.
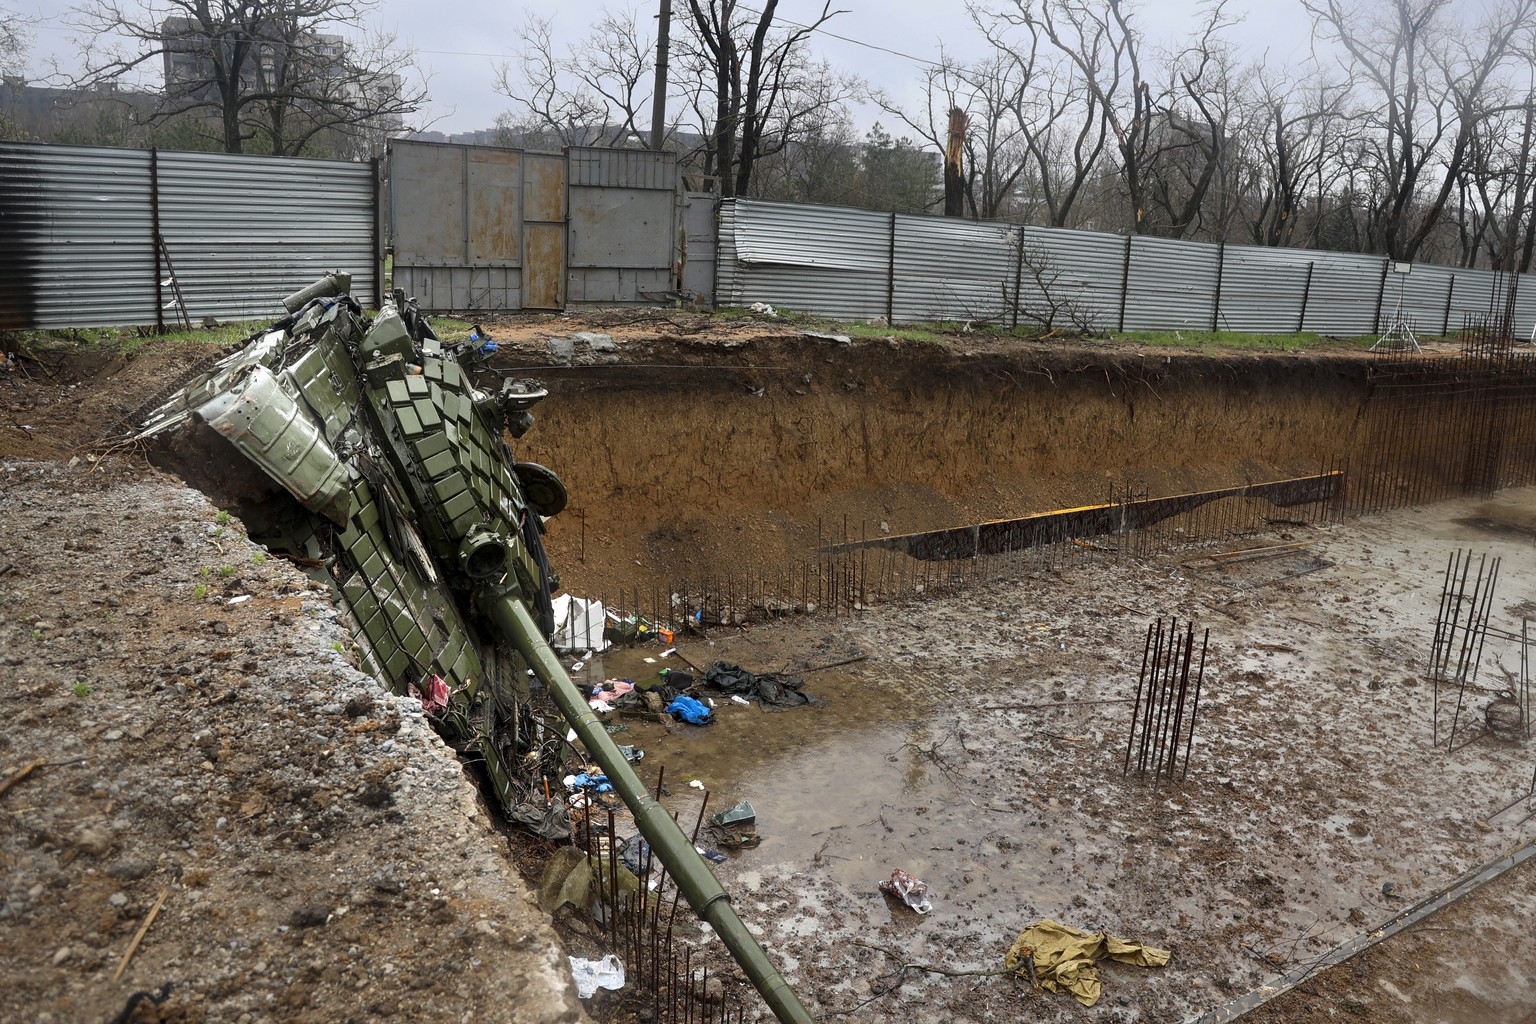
{"x":42,"y":112}
{"x":315,"y":65}
{"x":189,"y":51}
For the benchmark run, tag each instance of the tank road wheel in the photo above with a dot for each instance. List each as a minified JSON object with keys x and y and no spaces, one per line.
{"x":545,"y":493}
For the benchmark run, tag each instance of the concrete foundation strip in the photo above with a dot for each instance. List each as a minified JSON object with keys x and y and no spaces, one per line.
{"x":1468,"y":882}
{"x":1045,"y":528}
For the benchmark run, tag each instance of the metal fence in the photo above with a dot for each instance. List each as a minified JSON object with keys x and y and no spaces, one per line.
{"x":858,"y":264}
{"x":94,"y":236}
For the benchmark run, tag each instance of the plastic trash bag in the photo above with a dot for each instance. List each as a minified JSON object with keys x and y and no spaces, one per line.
{"x":591,"y":975}
{"x":909,"y":890}
{"x":689,"y":710}
{"x":552,"y":821}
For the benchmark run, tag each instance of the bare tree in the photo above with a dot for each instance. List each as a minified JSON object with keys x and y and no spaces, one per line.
{"x":1043,"y":296}
{"x":1059,"y":124}
{"x":15,"y":39}
{"x":1424,"y":84}
{"x":279,"y":73}
{"x":1192,"y":136}
{"x":1293,"y":130}
{"x":754,"y":72}
{"x":988,"y":93}
{"x":596,"y":94}
{"x":1165,"y":117}
{"x":818,"y":164}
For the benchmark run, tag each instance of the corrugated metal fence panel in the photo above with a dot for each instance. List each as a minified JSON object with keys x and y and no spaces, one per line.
{"x":1474,"y":296}
{"x":244,"y":231}
{"x":1171,"y":285}
{"x":1345,"y":287}
{"x":1420,"y":295}
{"x":1262,"y":288}
{"x":813,"y":259}
{"x":1525,"y":310}
{"x":949,"y":269}
{"x":1083,"y":268}
{"x":729,"y":283}
{"x":23,"y":219}
{"x":84,"y":255}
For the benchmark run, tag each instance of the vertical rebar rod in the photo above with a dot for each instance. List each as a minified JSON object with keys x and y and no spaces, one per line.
{"x":1434,"y":649}
{"x":1146,"y":649}
{"x":613,"y":873}
{"x":1170,"y":669}
{"x":1194,"y":707}
{"x":1152,"y":682}
{"x":1178,"y":714}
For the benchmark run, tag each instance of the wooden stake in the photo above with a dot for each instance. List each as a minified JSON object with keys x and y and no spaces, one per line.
{"x":20,"y":774}
{"x":139,"y":937}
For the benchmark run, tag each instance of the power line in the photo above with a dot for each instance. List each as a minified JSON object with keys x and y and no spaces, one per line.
{"x":859,"y":42}
{"x":777,"y":21}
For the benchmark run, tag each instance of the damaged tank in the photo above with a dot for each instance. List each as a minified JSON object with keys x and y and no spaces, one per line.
{"x":370,"y":452}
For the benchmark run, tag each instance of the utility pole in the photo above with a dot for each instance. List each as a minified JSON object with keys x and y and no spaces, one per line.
{"x":659,"y":100}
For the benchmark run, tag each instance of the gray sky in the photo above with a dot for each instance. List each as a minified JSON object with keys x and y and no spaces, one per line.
{"x":459,"y":43}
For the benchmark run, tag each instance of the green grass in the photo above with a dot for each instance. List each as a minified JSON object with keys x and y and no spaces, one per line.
{"x":951,"y":332}
{"x":128,"y":340}
{"x":221,"y":518}
{"x":227,"y":571}
{"x":1243,"y":342}
{"x":259,"y":557}
{"x":450,"y":331}
{"x":81,"y":689}
{"x":902,"y":332}
{"x":199,"y":592}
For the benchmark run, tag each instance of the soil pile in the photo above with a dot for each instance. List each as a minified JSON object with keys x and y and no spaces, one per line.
{"x":204,"y":758}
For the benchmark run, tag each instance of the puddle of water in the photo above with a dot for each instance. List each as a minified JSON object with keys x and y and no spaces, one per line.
{"x":848,"y":791}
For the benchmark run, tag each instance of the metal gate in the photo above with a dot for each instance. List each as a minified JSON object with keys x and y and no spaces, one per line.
{"x":482,"y":228}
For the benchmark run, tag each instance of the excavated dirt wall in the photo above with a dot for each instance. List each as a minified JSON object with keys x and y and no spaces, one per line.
{"x":729,"y":466}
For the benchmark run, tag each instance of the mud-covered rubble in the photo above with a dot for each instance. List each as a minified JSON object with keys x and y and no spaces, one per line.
{"x":204,"y":738}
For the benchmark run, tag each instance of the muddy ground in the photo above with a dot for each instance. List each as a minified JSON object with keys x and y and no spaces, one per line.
{"x":204,"y":760}
{"x":1312,"y":782}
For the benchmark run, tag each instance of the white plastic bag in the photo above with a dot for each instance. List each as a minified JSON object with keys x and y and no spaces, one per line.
{"x":591,"y":975}
{"x":578,"y":625}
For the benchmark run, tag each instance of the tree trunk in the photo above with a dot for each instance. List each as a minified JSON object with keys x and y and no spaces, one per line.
{"x":954,"y":172}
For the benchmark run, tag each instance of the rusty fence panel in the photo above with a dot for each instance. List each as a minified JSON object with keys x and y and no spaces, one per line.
{"x":698,"y":257}
{"x":490,"y":228}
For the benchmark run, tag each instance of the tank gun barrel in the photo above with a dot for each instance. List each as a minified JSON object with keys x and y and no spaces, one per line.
{"x":328,"y":286}
{"x":697,"y":882}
